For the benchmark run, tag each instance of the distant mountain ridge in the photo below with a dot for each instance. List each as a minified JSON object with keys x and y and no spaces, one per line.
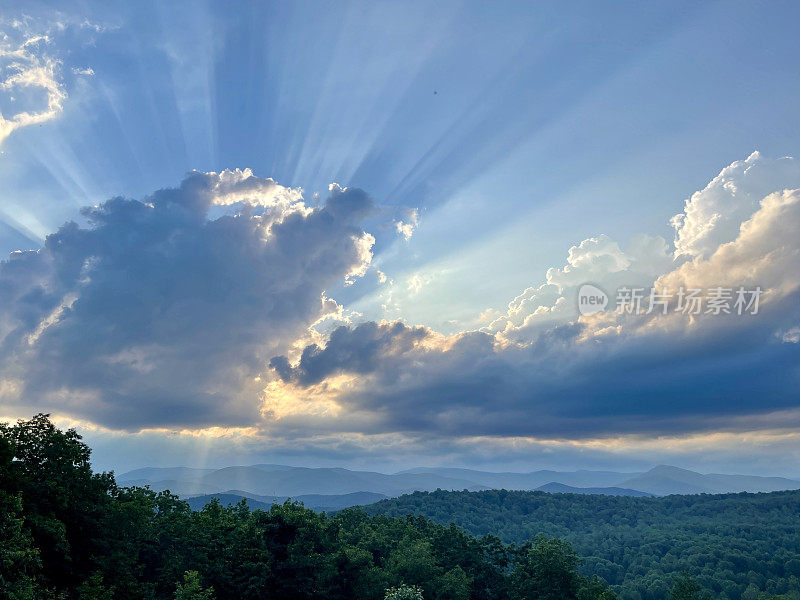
{"x":277,"y":480}
{"x":530,"y":480}
{"x":664,"y":480}
{"x":317,"y":502}
{"x":560,"y":488}
{"x":280,"y":481}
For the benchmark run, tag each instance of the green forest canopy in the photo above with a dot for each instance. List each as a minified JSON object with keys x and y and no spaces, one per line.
{"x":738,"y":545}
{"x":69,"y":533}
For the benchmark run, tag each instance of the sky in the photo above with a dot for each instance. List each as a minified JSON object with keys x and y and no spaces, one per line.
{"x":356,"y":233}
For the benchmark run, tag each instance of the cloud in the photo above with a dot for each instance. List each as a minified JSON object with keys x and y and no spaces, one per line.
{"x":32,"y":86}
{"x":540,"y":370}
{"x":205,"y":306}
{"x":712,"y":216}
{"x":363,"y":349}
{"x":765,"y":253}
{"x":598,"y":260}
{"x":240,"y":186}
{"x":25,"y":69}
{"x":165,"y":311}
{"x":407,"y":226}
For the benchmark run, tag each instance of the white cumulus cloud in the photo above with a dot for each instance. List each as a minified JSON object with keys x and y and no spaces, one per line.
{"x":712,"y":216}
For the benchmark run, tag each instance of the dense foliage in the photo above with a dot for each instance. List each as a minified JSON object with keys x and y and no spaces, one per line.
{"x":739,"y":546}
{"x":69,"y":533}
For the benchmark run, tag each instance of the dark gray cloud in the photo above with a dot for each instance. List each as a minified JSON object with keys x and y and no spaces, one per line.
{"x":561,"y":386}
{"x":155,"y":314}
{"x":361,"y":350}
{"x":603,"y":375}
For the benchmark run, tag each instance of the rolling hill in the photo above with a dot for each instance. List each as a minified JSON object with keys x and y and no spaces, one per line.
{"x":639,"y":544}
{"x":560,"y":488}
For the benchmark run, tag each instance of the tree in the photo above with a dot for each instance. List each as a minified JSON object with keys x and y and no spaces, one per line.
{"x":594,"y":588}
{"x":19,"y":560}
{"x":191,"y":589}
{"x":546,"y":571}
{"x":413,"y":561}
{"x":685,"y":587}
{"x":63,"y":501}
{"x":454,"y":585}
{"x":93,"y":589}
{"x":751,"y":593}
{"x":404,"y":592}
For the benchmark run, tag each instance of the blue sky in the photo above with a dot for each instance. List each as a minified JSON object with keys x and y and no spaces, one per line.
{"x":475,"y":145}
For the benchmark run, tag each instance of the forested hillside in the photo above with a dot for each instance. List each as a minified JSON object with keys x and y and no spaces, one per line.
{"x":67,"y":533}
{"x":739,"y":546}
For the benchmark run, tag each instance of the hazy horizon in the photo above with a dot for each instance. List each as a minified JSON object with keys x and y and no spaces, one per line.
{"x":389,"y":472}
